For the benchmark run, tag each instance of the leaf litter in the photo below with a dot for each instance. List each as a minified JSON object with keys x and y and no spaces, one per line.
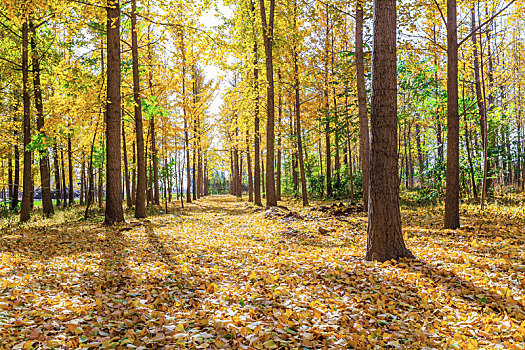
{"x":220,"y":275}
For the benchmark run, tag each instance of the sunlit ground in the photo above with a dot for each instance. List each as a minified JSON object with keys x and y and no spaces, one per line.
{"x":219,"y":275}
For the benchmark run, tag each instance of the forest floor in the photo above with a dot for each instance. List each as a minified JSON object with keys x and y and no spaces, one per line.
{"x":219,"y":274}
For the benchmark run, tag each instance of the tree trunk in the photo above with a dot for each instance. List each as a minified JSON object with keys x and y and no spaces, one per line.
{"x":16,"y":181}
{"x":385,"y":238}
{"x":100,"y":191}
{"x":134,"y":174}
{"x":279,"y":140}
{"x":304,"y":192}
{"x":236,"y":173}
{"x":82,"y":180}
{"x":70,"y":161}
{"x":364,"y":140}
{"x":262,"y":175}
{"x":140,"y":194}
{"x":45,"y":175}
{"x":58,"y":187}
{"x":25,"y":211}
{"x":114,"y":212}
{"x":129,"y":203}
{"x":249,"y":161}
{"x":451,"y":220}
{"x":64,"y":187}
{"x":328,"y":161}
{"x":271,"y":199}
{"x":257,"y":136}
{"x":420,"y":156}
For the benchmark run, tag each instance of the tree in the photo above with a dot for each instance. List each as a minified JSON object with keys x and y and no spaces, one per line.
{"x":385,"y":238}
{"x":452,"y":194}
{"x":27,"y":182}
{"x":271,"y":198}
{"x":140,"y":198}
{"x":45,"y":174}
{"x":364,"y":141}
{"x":114,"y":212}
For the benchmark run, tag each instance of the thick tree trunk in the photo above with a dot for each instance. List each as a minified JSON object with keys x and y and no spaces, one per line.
{"x":114,"y":212}
{"x":364,"y":140}
{"x":25,"y":211}
{"x":385,"y":238}
{"x":451,"y":220}
{"x":45,"y":175}
{"x":271,"y":199}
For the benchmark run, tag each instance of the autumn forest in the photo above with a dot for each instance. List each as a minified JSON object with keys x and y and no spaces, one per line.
{"x":262,"y":174}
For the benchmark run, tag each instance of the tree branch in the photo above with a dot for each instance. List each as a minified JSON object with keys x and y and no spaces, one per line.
{"x":485,"y":23}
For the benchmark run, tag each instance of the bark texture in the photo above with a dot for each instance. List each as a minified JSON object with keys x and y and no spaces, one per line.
{"x":364,"y":141}
{"x":385,"y":238}
{"x":140,"y":195}
{"x":25,"y":211}
{"x":114,"y":212}
{"x":452,"y":182}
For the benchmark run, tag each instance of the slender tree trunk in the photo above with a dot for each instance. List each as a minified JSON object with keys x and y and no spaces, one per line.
{"x":65,"y":189}
{"x":100,"y":191}
{"x":10,"y":185}
{"x":114,"y":212}
{"x":45,"y":175}
{"x":206,"y":180}
{"x":249,"y":161}
{"x":297,"y":87}
{"x":25,"y":211}
{"x":271,"y":199}
{"x":58,"y":187}
{"x":337,"y":160}
{"x":420,"y":156}
{"x":140,"y":194}
{"x":451,"y":220}
{"x":328,"y":161}
{"x":262,"y":176}
{"x":236,"y":173}
{"x":364,"y":141}
{"x":410,"y":157}
{"x":16,"y":181}
{"x":194,"y":168}
{"x":257,"y":136}
{"x":385,"y":238}
{"x":71,"y":179}
{"x":279,"y":140}
{"x":82,"y":179}
{"x":129,"y":202}
{"x":295,"y":175}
